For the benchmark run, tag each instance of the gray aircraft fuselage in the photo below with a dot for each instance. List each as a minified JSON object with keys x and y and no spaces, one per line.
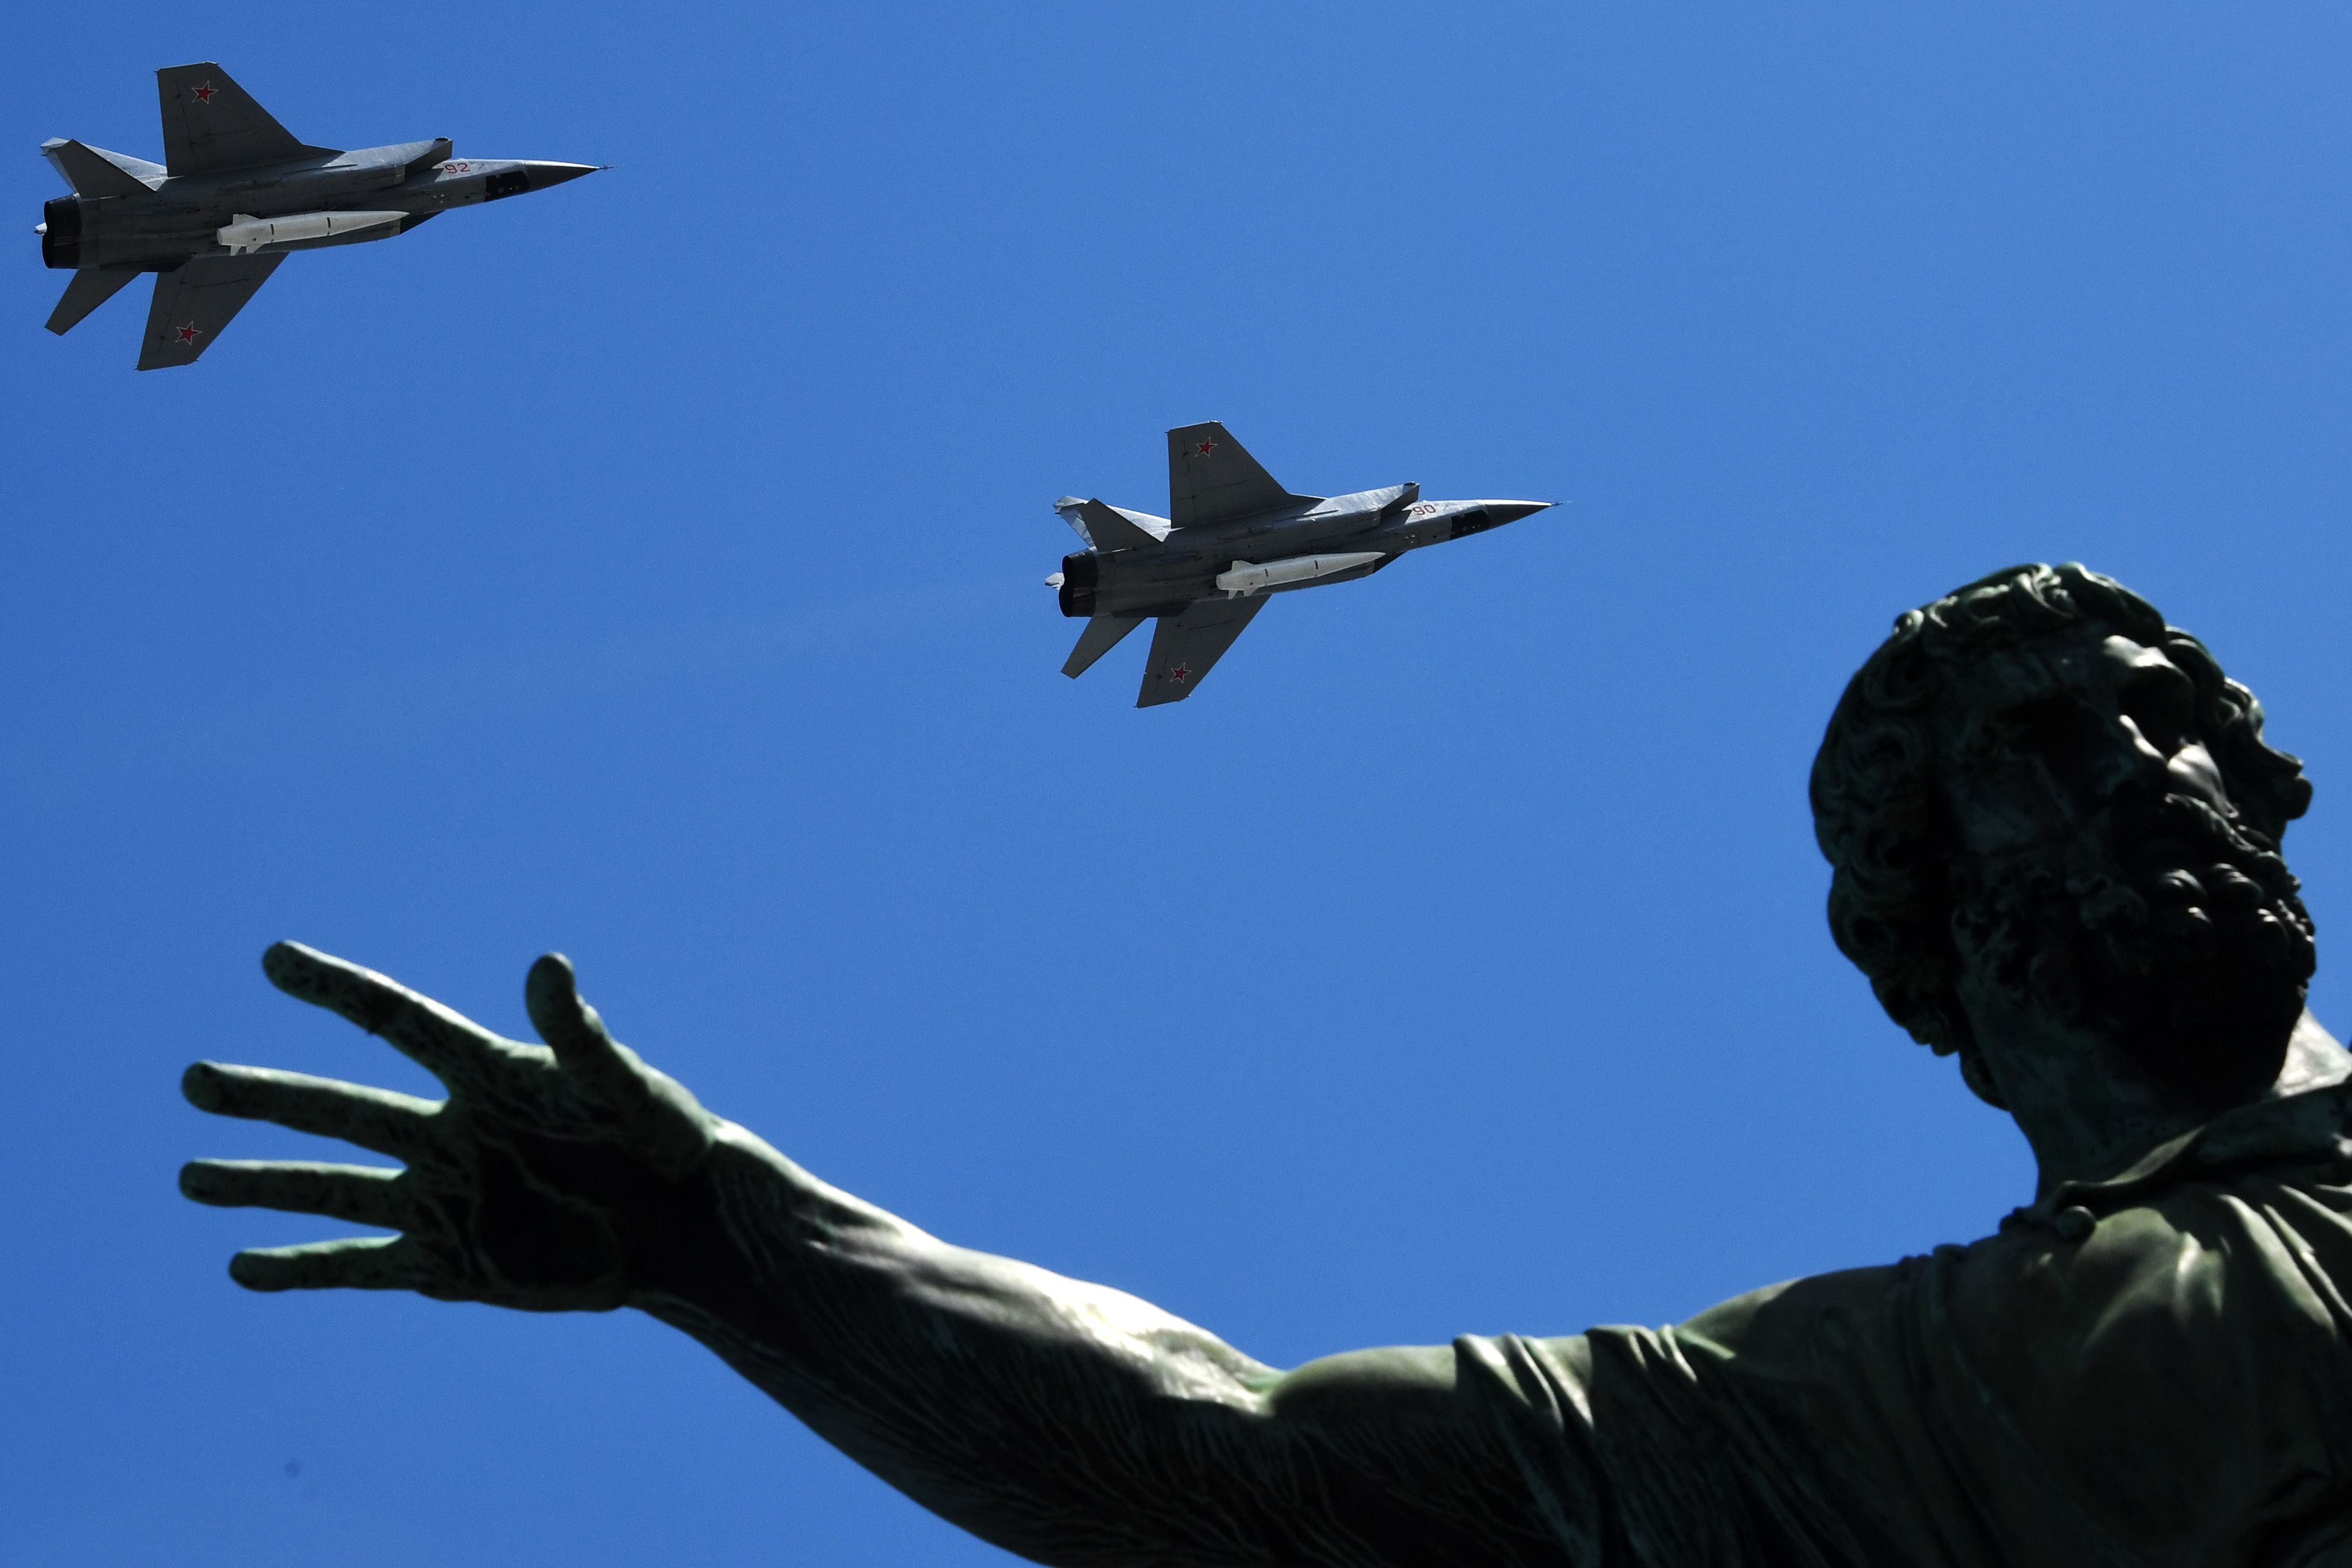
{"x":182,"y":217}
{"x":1183,"y":568}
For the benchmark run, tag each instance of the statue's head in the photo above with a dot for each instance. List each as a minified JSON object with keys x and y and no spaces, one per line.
{"x":2043,"y":802}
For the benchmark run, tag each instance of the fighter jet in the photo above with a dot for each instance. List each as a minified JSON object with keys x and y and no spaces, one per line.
{"x":1232,"y":536}
{"x":234,"y":195}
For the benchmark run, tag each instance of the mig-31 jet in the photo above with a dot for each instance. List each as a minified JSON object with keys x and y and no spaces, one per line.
{"x":1232,"y":536}
{"x":236,"y":193}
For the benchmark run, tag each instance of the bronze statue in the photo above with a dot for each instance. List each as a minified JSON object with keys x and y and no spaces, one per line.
{"x":2054,"y":827}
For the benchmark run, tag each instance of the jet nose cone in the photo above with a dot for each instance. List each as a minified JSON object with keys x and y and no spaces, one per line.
{"x":1512,"y":511}
{"x":542,"y":175}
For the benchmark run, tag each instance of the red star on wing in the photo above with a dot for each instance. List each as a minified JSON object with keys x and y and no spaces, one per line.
{"x":203,"y":94}
{"x":1180,"y":674}
{"x":1204,"y":449}
{"x":188,"y":334}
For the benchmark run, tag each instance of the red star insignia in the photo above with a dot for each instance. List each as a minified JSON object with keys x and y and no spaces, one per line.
{"x":1204,"y":449}
{"x":189,"y":333}
{"x":1180,"y":674}
{"x":204,"y":94}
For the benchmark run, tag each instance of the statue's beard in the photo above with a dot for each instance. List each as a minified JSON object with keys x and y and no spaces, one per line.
{"x":2168,"y":930}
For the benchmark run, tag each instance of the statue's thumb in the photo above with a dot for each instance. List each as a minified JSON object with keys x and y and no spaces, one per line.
{"x":570,"y":1025}
{"x":660,"y":1116}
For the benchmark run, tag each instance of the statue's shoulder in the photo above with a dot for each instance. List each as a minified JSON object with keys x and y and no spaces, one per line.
{"x":2203,"y":1237}
{"x":2163,"y":1342}
{"x":2148,"y":1360}
{"x":1806,"y":1319}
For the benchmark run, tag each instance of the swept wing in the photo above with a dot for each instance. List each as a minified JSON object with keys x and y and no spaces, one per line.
{"x":211,"y":124}
{"x":1185,"y":647}
{"x":1213,"y":479}
{"x":194,"y":301}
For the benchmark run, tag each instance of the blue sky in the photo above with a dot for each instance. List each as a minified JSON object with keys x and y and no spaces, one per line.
{"x":650,"y":570}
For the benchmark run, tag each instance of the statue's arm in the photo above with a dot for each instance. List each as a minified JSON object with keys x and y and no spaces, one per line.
{"x":1069,"y":1422}
{"x":1074,"y":1423}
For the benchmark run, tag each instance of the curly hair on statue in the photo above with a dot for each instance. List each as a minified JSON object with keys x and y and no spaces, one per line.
{"x":1882,"y":822}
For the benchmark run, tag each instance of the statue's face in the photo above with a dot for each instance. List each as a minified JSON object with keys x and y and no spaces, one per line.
{"x":2105,"y":883}
{"x":2041,"y":739}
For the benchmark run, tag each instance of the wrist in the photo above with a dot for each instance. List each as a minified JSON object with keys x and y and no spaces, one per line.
{"x":706,"y":1247}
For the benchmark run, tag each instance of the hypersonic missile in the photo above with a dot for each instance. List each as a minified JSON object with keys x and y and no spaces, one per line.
{"x":1201,"y":572}
{"x":1248,"y":576}
{"x":249,"y":234}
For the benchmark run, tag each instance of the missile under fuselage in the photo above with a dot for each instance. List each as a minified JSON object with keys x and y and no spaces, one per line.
{"x":248,"y":234}
{"x":1246,"y":577}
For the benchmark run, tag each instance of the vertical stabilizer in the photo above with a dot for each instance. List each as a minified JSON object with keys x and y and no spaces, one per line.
{"x":91,"y":172}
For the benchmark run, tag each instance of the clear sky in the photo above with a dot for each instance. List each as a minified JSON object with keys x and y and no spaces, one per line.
{"x":651,"y":569}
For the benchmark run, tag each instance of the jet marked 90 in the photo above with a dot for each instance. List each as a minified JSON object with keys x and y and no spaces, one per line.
{"x":235,"y":195}
{"x":1231,"y":535}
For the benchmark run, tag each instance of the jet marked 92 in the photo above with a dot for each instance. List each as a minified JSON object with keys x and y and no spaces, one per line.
{"x":1232,"y":536}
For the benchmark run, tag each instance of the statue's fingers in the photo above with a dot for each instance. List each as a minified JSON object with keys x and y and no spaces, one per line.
{"x":443,"y":1041}
{"x":356,"y":1262}
{"x":665,"y":1122}
{"x":390,"y":1124}
{"x":358,"y":1195}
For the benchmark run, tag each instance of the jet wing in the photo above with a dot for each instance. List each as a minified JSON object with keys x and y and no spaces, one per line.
{"x":193,"y":302}
{"x":1185,"y":647}
{"x":211,"y":124}
{"x":1213,"y":479}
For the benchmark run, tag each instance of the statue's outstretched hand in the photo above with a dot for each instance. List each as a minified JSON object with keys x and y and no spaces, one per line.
{"x":552,"y":1178}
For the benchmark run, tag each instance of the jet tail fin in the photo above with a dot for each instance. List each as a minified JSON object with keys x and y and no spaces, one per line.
{"x":89,"y":171}
{"x":1101,"y":636}
{"x":85,"y":292}
{"x":1110,"y":529}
